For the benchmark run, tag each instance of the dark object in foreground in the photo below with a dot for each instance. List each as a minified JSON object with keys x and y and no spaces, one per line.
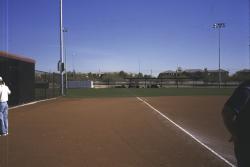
{"x":19,"y":74}
{"x":236,"y":116}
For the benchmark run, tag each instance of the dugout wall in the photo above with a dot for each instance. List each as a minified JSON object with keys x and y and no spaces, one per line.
{"x":19,"y":74}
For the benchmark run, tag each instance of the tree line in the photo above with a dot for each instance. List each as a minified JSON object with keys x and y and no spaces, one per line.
{"x":122,"y":75}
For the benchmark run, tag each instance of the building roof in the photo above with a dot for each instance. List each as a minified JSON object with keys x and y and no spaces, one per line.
{"x":244,"y":70}
{"x":193,"y":70}
{"x":16,"y":57}
{"x":168,"y":71}
{"x":216,"y":70}
{"x":198,"y":70}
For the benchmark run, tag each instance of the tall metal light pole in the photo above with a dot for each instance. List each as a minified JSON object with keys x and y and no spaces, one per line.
{"x":65,"y":58}
{"x":219,"y":26}
{"x":61,"y":64}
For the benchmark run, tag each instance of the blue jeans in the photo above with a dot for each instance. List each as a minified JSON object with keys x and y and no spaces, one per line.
{"x":3,"y":117}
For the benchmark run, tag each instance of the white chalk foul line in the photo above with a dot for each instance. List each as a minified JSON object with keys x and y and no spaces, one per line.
{"x":34,"y":102}
{"x":188,"y":133}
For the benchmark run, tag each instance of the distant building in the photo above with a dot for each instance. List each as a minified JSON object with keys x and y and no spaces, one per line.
{"x":194,"y":74}
{"x":208,"y":75}
{"x":167,"y":74}
{"x":242,"y":74}
{"x":192,"y":71}
{"x":213,"y":75}
{"x":217,"y":72}
{"x":244,"y":71}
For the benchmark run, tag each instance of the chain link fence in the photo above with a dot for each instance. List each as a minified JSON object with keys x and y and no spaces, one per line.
{"x":163,"y":83}
{"x":47,"y":85}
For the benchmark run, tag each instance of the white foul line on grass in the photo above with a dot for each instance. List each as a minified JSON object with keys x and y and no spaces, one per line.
{"x":34,"y":102}
{"x":188,"y":133}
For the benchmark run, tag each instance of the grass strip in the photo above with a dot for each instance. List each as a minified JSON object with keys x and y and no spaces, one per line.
{"x":144,"y":92}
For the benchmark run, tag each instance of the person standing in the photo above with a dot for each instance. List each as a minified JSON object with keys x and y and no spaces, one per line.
{"x":4,"y":93}
{"x":236,"y":116}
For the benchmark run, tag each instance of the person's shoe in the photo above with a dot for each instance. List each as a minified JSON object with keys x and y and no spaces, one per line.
{"x":4,"y":134}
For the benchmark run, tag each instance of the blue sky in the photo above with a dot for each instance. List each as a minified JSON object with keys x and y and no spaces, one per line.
{"x":114,"y":35}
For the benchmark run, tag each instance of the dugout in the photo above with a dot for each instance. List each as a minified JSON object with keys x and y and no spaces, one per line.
{"x":19,"y":74}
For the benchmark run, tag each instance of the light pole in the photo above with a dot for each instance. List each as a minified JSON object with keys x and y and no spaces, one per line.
{"x":61,"y":64}
{"x":65,"y":56}
{"x":219,"y":26}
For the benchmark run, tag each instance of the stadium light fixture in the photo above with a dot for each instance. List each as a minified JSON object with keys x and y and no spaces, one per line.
{"x":219,"y":26}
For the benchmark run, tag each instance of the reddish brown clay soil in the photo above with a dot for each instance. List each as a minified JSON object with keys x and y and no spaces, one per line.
{"x":111,"y":132}
{"x":201,"y":116}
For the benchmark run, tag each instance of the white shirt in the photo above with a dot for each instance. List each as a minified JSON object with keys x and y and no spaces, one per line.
{"x":4,"y":92}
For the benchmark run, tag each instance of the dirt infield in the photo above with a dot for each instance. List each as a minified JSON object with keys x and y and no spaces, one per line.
{"x":118,"y":132}
{"x":201,"y":116}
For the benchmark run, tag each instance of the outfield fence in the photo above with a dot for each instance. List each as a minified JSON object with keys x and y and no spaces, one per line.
{"x":163,"y":83}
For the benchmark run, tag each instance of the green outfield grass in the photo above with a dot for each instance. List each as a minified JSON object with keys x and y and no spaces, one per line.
{"x":132,"y":92}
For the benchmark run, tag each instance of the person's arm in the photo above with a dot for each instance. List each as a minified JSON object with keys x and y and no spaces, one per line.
{"x":232,"y":108}
{"x":229,"y":117}
{"x":8,"y":90}
{"x":230,"y":112}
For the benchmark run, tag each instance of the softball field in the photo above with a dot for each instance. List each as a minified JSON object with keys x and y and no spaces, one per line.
{"x":165,"y":131}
